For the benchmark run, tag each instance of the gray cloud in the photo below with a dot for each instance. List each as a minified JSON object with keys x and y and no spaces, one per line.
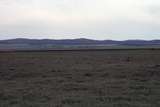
{"x":105,"y":19}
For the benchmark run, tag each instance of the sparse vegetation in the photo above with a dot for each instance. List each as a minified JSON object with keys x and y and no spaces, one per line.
{"x":113,"y":78}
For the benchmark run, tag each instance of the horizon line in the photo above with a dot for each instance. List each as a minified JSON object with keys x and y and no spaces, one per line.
{"x":79,"y":38}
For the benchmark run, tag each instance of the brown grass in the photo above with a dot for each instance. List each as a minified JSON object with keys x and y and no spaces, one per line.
{"x":113,"y":78}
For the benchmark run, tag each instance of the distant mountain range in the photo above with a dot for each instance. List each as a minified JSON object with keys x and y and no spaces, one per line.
{"x":22,"y":43}
{"x":81,"y":41}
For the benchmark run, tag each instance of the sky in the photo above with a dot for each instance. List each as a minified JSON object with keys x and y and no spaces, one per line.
{"x":69,"y":19}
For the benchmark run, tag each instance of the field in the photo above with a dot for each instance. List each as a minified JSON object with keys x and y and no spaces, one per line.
{"x":93,"y":78}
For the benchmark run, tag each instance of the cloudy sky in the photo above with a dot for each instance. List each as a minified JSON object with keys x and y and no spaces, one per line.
{"x":95,"y":19}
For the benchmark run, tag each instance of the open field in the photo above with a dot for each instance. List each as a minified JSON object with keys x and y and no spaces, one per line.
{"x":108,"y":78}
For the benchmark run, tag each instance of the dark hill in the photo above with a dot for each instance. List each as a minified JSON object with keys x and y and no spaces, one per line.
{"x":81,"y":41}
{"x":34,"y":44}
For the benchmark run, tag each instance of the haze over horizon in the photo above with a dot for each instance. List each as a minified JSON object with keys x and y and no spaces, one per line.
{"x":70,"y":19}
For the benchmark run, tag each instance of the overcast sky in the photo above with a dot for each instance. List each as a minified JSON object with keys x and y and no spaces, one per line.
{"x":95,"y":19}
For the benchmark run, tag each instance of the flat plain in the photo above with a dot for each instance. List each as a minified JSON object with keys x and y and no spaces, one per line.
{"x":107,"y":78}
